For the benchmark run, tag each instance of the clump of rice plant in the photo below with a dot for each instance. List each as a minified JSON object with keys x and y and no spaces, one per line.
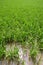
{"x":12,"y":54}
{"x":2,"y":52}
{"x":34,"y":50}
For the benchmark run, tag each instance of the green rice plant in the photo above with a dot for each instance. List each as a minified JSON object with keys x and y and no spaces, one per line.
{"x":2,"y":52}
{"x":21,"y":21}
{"x":41,"y":45}
{"x":16,"y":52}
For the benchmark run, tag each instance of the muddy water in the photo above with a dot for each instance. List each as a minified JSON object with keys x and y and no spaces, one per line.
{"x":0,"y":62}
{"x":27,"y":59}
{"x":6,"y":62}
{"x":41,"y":60}
{"x":3,"y":62}
{"x":23,"y":56}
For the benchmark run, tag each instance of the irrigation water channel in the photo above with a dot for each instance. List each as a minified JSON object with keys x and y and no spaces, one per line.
{"x":24,"y":56}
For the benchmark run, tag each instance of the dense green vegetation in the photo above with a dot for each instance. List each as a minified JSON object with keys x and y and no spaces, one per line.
{"x":21,"y":21}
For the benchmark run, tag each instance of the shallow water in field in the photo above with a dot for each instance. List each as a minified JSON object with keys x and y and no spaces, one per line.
{"x":24,"y":57}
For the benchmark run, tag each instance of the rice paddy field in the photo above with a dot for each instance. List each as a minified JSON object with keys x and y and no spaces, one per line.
{"x":21,"y":21}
